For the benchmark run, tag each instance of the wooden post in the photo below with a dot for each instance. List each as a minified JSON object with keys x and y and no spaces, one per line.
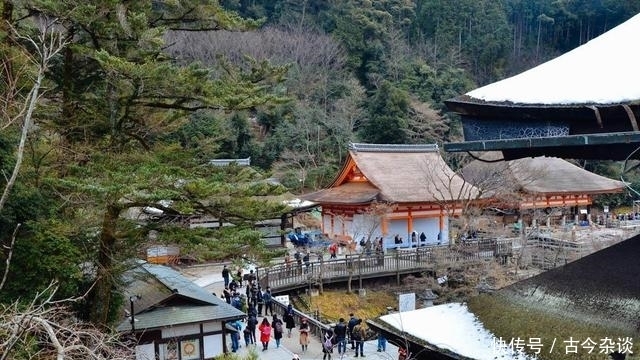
{"x":320,"y":278}
{"x":397,"y":267}
{"x":283,"y":227}
{"x":359,"y":271}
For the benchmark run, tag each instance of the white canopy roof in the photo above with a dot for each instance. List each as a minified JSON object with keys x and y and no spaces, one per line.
{"x":603,"y":71}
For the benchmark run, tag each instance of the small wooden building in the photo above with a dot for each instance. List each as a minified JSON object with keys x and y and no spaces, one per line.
{"x":385,"y":190}
{"x":172,"y":317}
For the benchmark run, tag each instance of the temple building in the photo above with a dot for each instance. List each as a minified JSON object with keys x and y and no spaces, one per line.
{"x":547,"y":183}
{"x":391,"y":191}
{"x":584,"y":104}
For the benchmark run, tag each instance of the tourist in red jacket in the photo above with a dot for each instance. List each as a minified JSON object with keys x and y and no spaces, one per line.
{"x":265,"y":333}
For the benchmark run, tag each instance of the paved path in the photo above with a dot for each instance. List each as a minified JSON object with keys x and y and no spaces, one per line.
{"x":210,"y":278}
{"x":289,"y":346}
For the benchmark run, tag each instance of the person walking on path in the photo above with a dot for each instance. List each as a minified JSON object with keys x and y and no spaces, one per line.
{"x":239,"y":276}
{"x":298,"y":257}
{"x":307,"y":262}
{"x":402,"y":353}
{"x":226,"y":293}
{"x":382,"y":343}
{"x":235,"y":335}
{"x":268,"y":302}
{"x":252,"y":322}
{"x":333,"y":250}
{"x":233,"y":286}
{"x":340,"y":332}
{"x":327,"y":345}
{"x":304,"y":334}
{"x":353,"y":321}
{"x":287,"y":264}
{"x":247,"y":336}
{"x":289,"y":319}
{"x":265,"y":333}
{"x":359,"y":335}
{"x":236,"y":302}
{"x":226,"y":275}
{"x":278,"y":329}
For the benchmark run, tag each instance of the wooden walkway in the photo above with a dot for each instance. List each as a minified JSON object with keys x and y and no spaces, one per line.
{"x":357,"y":267}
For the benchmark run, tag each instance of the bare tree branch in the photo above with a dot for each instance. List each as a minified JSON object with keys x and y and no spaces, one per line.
{"x":9,"y":255}
{"x":59,"y":333}
{"x":48,"y":44}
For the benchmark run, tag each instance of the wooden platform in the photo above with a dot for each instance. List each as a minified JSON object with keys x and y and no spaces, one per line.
{"x":357,"y":267}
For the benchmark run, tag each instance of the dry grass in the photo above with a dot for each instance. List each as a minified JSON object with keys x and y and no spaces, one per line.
{"x":334,"y":305}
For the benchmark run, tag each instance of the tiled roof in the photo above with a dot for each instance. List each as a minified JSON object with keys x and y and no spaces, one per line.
{"x":160,"y":288}
{"x":180,"y":285}
{"x":186,"y":314}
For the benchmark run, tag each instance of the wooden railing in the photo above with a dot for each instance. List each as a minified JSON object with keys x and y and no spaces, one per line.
{"x":316,"y":327}
{"x":360,"y":266}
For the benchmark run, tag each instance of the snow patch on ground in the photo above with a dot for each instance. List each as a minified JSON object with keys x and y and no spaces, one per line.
{"x":452,"y":327}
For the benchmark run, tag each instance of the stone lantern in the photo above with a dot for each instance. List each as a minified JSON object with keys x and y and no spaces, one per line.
{"x":428,"y":298}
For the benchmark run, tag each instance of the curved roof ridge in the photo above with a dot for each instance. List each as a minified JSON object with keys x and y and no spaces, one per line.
{"x":364,"y":147}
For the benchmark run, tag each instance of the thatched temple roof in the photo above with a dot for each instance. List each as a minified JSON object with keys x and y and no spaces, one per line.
{"x":394,"y":173}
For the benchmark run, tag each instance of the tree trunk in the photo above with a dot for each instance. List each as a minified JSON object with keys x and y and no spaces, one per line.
{"x":100,"y":297}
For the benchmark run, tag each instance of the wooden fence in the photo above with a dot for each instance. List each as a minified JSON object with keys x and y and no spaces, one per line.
{"x":361,"y":266}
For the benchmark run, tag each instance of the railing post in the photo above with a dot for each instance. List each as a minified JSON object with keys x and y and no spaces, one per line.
{"x":360,"y":271}
{"x":397,"y":267}
{"x":320,"y":275}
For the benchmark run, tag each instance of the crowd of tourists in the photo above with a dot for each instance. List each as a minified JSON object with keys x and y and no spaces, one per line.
{"x":253,"y":301}
{"x":346,"y":335}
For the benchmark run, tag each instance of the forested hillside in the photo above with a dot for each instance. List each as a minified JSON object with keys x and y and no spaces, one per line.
{"x":379,"y":71}
{"x":113,"y":108}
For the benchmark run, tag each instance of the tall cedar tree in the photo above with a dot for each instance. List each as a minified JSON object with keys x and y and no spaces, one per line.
{"x":116,"y":95}
{"x":388,"y":116}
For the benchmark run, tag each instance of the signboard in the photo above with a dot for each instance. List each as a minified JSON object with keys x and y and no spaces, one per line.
{"x":606,"y":209}
{"x":283,"y":299}
{"x":406,"y":302}
{"x":442,"y":280}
